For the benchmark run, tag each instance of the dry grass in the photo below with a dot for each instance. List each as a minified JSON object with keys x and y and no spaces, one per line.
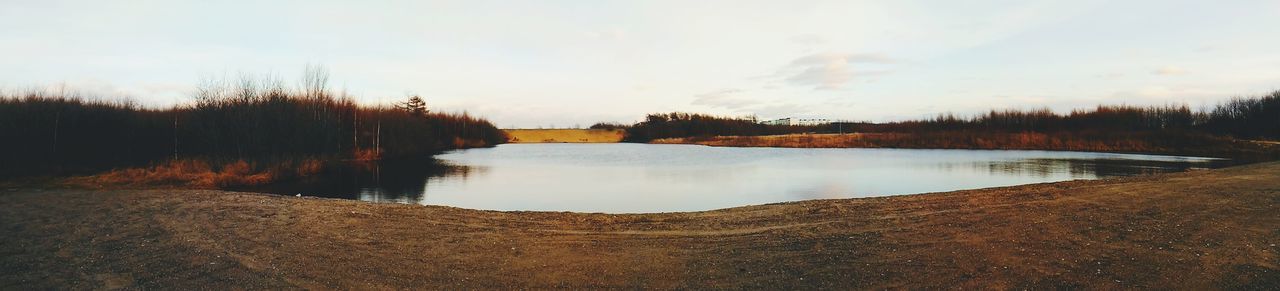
{"x":565,"y":135}
{"x":203,"y":174}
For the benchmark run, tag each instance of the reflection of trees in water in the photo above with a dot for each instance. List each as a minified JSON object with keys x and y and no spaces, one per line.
{"x":400,"y":181}
{"x":1088,"y":168}
{"x":1041,"y":168}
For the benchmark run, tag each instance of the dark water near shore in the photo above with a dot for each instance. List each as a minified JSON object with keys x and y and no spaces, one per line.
{"x":627,"y":178}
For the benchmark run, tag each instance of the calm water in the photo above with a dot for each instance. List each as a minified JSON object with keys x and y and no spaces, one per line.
{"x":629,"y":178}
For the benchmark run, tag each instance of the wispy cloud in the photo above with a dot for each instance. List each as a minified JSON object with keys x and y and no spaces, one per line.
{"x":1110,"y":76}
{"x":612,"y":34}
{"x":808,"y":39}
{"x":732,"y":100}
{"x":831,"y":70}
{"x":1168,"y":93}
{"x":724,"y":98}
{"x":845,"y":58}
{"x":1169,"y":71}
{"x":781,"y":110}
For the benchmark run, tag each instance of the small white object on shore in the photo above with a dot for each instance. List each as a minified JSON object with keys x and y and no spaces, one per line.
{"x":299,"y":195}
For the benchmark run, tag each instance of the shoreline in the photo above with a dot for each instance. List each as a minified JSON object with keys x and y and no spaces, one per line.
{"x":1249,"y":151}
{"x":1198,"y":229}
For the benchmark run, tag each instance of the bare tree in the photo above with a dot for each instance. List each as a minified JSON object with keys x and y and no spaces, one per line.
{"x":315,"y":81}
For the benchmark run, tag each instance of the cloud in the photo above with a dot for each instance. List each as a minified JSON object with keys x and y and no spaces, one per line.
{"x":729,"y":99}
{"x":1164,"y":93}
{"x":781,"y":110}
{"x":1169,"y":71}
{"x":723,"y":99}
{"x":612,"y":34}
{"x":846,"y":58}
{"x":808,"y":39}
{"x":830,"y":70}
{"x":1110,"y":76}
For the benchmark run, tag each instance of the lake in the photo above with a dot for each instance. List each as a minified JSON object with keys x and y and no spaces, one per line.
{"x":645,"y":178}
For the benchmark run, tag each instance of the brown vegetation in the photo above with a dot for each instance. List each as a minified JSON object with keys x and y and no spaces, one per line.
{"x":1153,"y":129}
{"x":1140,"y":142}
{"x":1241,"y":118}
{"x":201,"y":174}
{"x":1199,"y":230}
{"x":258,"y":120}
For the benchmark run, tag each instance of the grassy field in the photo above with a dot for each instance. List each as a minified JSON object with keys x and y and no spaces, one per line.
{"x":565,"y":135}
{"x":1199,"y":230}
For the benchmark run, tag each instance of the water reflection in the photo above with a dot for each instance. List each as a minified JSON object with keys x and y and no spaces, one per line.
{"x":624,"y":178}
{"x":1093,"y":168}
{"x":402,"y":182}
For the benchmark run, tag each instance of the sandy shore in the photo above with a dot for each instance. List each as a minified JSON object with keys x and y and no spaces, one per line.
{"x":1197,"y":230}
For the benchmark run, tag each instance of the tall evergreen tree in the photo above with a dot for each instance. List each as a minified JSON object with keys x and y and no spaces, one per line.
{"x":414,"y":106}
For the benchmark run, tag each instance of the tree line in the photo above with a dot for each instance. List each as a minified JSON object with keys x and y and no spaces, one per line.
{"x":1256,"y":117}
{"x":1242,"y":117}
{"x":256,"y":119}
{"x":680,"y":124}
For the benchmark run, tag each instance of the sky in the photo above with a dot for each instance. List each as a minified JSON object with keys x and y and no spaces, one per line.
{"x":529,"y":64}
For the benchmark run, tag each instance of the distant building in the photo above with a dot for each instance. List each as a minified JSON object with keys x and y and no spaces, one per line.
{"x":798,"y":121}
{"x":780,"y":121}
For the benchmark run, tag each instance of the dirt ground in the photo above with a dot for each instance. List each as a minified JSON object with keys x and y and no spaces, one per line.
{"x":1214,"y":229}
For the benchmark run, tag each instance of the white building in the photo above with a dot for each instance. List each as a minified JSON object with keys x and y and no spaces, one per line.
{"x":781,"y":121}
{"x":798,"y":121}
